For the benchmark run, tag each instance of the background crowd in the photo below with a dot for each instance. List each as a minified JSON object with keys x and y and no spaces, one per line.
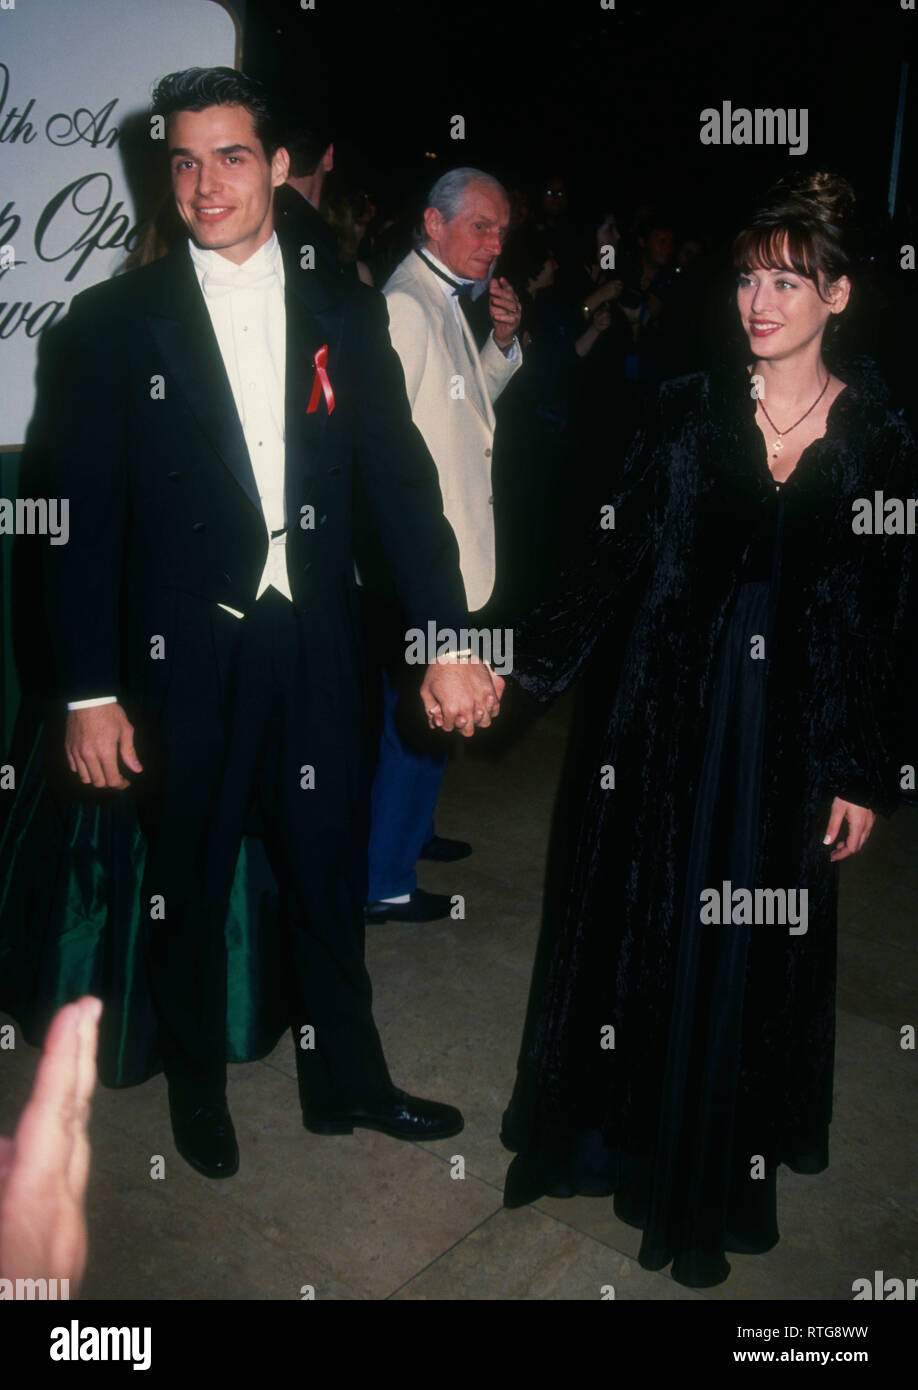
{"x":618,"y":294}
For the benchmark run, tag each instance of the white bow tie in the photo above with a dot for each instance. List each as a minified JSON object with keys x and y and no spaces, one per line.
{"x":216,"y":282}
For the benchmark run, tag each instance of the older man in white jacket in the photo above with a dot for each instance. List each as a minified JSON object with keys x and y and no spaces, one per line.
{"x":452,"y":388}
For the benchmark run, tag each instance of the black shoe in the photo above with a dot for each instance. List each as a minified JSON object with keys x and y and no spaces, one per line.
{"x":205,"y":1137}
{"x":445,"y":851}
{"x":420,"y":907}
{"x":401,"y":1117}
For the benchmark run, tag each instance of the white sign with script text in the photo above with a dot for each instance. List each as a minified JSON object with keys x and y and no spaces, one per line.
{"x":74,"y":78}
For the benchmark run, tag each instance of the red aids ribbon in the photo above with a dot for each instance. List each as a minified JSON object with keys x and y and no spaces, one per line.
{"x":321,"y":382}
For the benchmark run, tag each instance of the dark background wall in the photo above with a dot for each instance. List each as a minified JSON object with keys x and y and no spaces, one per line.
{"x":608,"y":97}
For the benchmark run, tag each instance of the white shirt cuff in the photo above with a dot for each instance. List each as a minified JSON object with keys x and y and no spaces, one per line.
{"x":90,"y":704}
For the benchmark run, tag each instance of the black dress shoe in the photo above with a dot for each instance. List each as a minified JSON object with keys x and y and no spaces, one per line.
{"x":421,"y":907}
{"x":204,"y":1136}
{"x":445,"y":851}
{"x":401,"y":1117}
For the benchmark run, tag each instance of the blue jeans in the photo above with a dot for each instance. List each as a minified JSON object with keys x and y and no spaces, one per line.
{"x":404,"y":797}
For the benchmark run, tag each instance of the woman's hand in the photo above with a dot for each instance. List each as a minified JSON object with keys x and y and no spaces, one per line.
{"x":609,"y":291}
{"x":604,"y":295}
{"x":860,"y":823}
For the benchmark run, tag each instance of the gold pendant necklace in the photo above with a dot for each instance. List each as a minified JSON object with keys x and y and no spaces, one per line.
{"x":778,"y":445}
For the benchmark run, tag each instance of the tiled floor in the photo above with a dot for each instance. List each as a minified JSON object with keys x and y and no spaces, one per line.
{"x":365,"y":1217}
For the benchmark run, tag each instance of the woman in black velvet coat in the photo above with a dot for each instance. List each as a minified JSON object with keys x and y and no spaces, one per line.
{"x":743,"y":729}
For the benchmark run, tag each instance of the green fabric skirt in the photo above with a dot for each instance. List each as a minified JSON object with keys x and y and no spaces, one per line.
{"x":71,"y":924}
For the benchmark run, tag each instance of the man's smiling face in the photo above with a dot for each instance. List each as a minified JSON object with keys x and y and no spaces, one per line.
{"x":222,"y":180}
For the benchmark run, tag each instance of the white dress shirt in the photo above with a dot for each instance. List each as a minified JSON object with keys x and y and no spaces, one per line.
{"x":246,"y":307}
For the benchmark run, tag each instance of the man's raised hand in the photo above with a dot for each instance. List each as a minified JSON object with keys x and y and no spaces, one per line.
{"x":505,"y":311}
{"x":94,"y":741}
{"x":460,"y":695}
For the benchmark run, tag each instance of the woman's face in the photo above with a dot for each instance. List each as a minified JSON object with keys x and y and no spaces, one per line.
{"x":608,"y":233}
{"x":782,"y":312}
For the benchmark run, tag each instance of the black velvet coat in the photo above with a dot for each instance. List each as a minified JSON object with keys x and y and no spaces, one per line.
{"x":644,"y":610}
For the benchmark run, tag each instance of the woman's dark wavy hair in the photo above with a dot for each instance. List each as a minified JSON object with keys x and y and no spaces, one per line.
{"x":806,"y":225}
{"x":196,"y":89}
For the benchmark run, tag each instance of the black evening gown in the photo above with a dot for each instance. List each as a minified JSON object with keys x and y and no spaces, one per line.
{"x":693,"y":1196}
{"x":672,"y":1062}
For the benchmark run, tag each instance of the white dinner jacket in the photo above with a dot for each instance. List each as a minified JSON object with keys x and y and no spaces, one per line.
{"x":452,"y":390}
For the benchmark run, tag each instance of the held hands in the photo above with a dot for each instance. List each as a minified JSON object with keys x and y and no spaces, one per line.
{"x":462,"y":696}
{"x":505,"y":311}
{"x":94,"y":740}
{"x":860,"y":823}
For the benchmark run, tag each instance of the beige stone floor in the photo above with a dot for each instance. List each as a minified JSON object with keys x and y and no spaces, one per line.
{"x":366,"y":1217}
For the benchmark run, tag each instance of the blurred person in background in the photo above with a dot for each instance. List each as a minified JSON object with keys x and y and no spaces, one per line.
{"x":452,"y":386}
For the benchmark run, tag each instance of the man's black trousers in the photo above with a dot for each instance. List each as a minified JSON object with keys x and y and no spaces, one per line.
{"x":258,"y":724}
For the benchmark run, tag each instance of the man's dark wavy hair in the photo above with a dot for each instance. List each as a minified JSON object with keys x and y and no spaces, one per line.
{"x":196,"y":89}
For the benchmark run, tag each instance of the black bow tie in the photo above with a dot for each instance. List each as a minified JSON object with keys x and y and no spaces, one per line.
{"x":460,"y":287}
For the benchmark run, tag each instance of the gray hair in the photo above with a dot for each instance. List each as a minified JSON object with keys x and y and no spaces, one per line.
{"x":448,"y":194}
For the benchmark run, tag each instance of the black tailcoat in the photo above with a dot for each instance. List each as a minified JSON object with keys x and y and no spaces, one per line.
{"x":137,"y":426}
{"x":299,"y":225}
